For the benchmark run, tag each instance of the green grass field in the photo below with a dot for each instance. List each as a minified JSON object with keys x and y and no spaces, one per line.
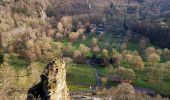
{"x":80,"y":76}
{"x":160,"y":87}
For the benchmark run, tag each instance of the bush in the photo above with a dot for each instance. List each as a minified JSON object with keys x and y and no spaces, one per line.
{"x":78,"y":58}
{"x":125,"y":73}
{"x":67,"y":22}
{"x":159,"y":52}
{"x":94,"y":41}
{"x":105,"y":53}
{"x":124,"y":91}
{"x":73,"y":36}
{"x":84,"y":49}
{"x":77,"y":54}
{"x":95,"y":49}
{"x":150,"y":50}
{"x":154,"y":58}
{"x":166,"y":70}
{"x":153,"y":74}
{"x":166,"y":54}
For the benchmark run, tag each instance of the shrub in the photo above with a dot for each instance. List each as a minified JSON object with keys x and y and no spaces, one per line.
{"x":166,"y":70}
{"x":166,"y":53}
{"x":29,"y":44}
{"x":94,"y":41}
{"x":95,"y":49}
{"x":78,"y":58}
{"x":133,"y":61}
{"x":125,"y":73}
{"x":150,"y":50}
{"x":77,"y":54}
{"x":118,"y":59}
{"x":105,"y":53}
{"x":137,"y":63}
{"x":57,"y":49}
{"x":154,"y":58}
{"x":153,"y":73}
{"x":83,"y":48}
{"x":124,"y":91}
{"x":74,"y":36}
{"x":159,"y":52}
{"x":67,"y":22}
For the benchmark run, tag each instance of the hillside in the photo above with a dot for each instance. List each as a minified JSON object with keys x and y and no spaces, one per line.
{"x":108,"y":49}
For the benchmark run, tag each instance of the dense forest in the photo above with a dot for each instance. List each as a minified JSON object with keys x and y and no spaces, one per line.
{"x":84,"y":49}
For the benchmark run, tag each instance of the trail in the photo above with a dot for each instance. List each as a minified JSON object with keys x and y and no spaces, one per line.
{"x":98,"y":79}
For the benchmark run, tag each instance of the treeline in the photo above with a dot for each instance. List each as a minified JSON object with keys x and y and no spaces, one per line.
{"x":159,"y":33}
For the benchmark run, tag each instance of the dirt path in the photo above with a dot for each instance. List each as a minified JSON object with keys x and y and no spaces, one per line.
{"x":98,"y":79}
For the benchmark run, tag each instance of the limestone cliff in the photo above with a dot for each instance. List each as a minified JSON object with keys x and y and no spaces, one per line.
{"x":53,"y":83}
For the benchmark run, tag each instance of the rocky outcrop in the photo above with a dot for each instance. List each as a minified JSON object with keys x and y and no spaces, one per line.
{"x":53,"y":83}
